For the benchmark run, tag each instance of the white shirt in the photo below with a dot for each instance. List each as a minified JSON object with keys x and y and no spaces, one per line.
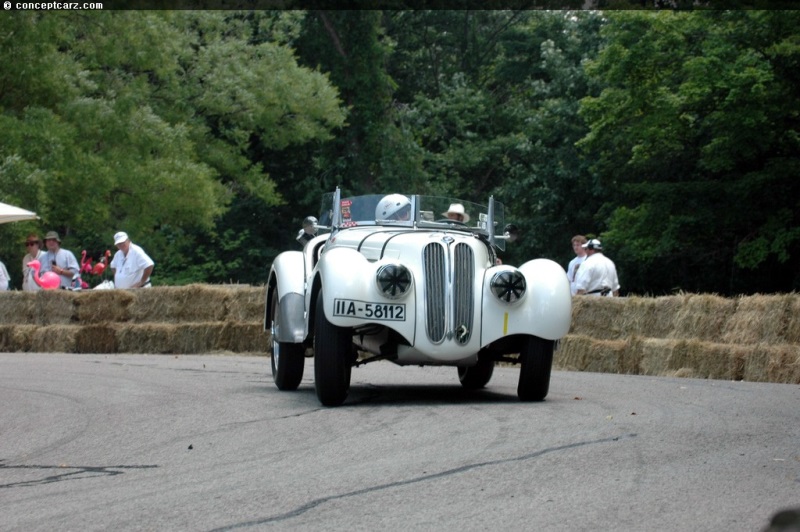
{"x":65,"y":260}
{"x":28,"y":284}
{"x":597,"y":273}
{"x":5,"y":279}
{"x":128,"y":269}
{"x":572,"y":272}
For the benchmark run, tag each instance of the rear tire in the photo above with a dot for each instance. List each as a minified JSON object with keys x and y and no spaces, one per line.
{"x":477,"y":376}
{"x":536,"y":362}
{"x":332,"y":361}
{"x":287,"y":359}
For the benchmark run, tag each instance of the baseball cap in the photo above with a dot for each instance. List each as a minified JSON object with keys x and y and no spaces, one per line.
{"x":120,"y":237}
{"x":593,"y":244}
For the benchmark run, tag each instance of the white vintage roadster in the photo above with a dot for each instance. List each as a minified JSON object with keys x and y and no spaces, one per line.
{"x":394,"y":278}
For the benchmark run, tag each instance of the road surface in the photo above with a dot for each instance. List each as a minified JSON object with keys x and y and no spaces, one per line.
{"x":163,"y":442}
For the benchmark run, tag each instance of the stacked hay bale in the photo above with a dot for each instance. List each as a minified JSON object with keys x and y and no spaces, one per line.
{"x":754,"y":338}
{"x":186,"y":319}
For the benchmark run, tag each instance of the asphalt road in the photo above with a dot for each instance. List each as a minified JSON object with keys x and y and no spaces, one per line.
{"x":138,"y":442}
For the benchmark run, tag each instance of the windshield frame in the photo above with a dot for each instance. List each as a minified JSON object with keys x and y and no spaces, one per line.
{"x":428,"y":213}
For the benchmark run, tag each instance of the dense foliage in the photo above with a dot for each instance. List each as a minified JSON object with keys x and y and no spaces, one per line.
{"x":209,"y":135}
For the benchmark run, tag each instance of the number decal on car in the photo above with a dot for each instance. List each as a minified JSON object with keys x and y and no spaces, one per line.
{"x":351,"y":308}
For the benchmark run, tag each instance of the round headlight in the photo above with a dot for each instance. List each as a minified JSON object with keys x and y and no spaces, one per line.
{"x":393,"y":280}
{"x":508,"y":286}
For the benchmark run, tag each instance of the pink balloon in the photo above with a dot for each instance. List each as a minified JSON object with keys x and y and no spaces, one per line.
{"x":48,"y":280}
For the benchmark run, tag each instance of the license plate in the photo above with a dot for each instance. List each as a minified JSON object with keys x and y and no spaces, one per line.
{"x":351,"y":308}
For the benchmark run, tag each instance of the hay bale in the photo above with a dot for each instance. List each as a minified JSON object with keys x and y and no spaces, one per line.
{"x":99,"y":306}
{"x":175,"y":304}
{"x":597,"y":317}
{"x":54,"y":338}
{"x":581,"y":353}
{"x":629,"y":360}
{"x":247,"y":304}
{"x":197,"y":338}
{"x":783,"y":365}
{"x":709,"y":360}
{"x":648,"y":317}
{"x":758,"y":319}
{"x":16,"y":338}
{"x":55,"y":307}
{"x":655,"y":356}
{"x":145,"y":338}
{"x":793,"y":319}
{"x":702,"y":317}
{"x":96,"y":339}
{"x":170,"y":338}
{"x":24,"y":335}
{"x":17,"y":307}
{"x":244,"y":337}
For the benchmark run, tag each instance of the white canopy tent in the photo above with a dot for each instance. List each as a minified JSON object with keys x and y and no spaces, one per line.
{"x":9,"y":213}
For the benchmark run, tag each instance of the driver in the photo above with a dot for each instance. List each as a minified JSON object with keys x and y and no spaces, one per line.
{"x":393,"y":207}
{"x":457,"y":213}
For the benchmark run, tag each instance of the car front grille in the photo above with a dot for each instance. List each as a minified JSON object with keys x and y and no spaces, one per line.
{"x":449,"y":299}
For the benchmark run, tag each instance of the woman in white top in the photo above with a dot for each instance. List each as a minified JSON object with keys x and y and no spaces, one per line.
{"x":34,"y":246}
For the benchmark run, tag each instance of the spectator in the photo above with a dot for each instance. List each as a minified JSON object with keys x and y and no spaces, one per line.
{"x":597,"y":275}
{"x":131,"y":266}
{"x":59,"y":261}
{"x":580,"y":255}
{"x":5,"y":279}
{"x":457,"y":213}
{"x":34,"y":246}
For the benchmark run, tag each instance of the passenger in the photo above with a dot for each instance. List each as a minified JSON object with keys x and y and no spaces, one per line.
{"x":456,"y":213}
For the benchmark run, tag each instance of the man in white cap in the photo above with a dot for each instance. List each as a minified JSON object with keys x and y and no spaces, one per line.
{"x":597,"y":276}
{"x":131,"y":266}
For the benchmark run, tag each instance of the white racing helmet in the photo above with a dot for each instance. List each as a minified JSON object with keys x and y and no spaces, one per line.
{"x":390,"y":206}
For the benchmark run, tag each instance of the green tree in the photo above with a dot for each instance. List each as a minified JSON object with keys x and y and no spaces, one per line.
{"x":503,"y":120}
{"x":147,"y":121}
{"x":696,"y":136}
{"x":350,"y":46}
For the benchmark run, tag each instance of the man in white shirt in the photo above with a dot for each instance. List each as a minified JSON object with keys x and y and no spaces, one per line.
{"x":131,"y":266}
{"x":580,"y":255}
{"x":597,"y":275}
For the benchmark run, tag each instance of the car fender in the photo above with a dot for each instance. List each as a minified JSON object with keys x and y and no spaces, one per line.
{"x":347,"y":274}
{"x":287,"y":276}
{"x":544,"y":311}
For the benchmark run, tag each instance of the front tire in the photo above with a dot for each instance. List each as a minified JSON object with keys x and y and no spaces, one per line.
{"x":477,"y":376}
{"x":536,"y":362}
{"x":332,"y":360}
{"x":287,"y":359}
